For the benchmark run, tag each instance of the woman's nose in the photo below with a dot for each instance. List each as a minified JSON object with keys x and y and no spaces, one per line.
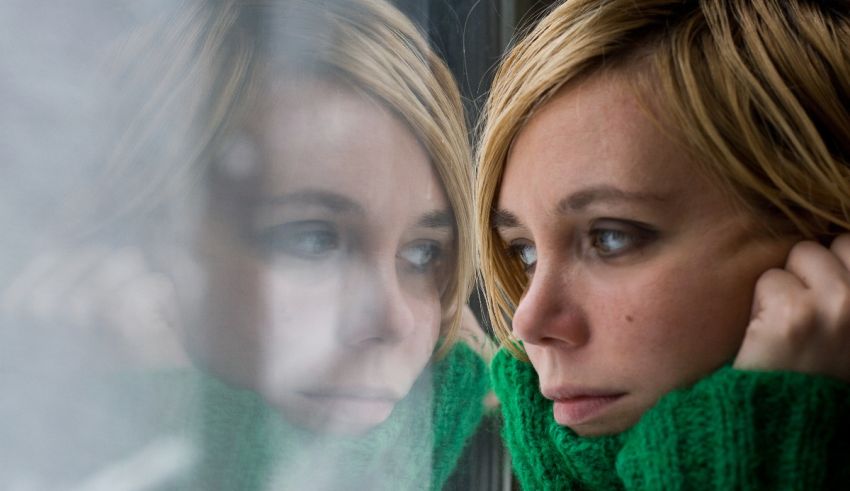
{"x":548,"y":313}
{"x":375,"y":310}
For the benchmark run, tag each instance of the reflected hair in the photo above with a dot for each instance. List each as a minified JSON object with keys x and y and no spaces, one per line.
{"x":208,"y":73}
{"x":756,"y":92}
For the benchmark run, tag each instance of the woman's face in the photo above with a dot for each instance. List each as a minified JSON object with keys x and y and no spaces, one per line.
{"x":641,"y":271}
{"x":326,"y":298}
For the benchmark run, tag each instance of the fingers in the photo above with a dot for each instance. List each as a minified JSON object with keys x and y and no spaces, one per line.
{"x":827,"y":278}
{"x":41,"y":290}
{"x":801,"y":314}
{"x":109,"y":280}
{"x":782,"y":317}
{"x":840,"y":248}
{"x":776,"y":293}
{"x":111,"y":296}
{"x":817,"y":267}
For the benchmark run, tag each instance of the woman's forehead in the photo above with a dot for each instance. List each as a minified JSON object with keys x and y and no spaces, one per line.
{"x":597,"y":135}
{"x":336,"y":141}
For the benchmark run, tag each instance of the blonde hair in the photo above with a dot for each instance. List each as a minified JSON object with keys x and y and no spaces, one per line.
{"x":756,"y":91}
{"x":216,"y":56}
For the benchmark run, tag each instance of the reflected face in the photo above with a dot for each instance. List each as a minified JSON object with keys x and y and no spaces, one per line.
{"x":641,"y":271}
{"x":325,"y":299}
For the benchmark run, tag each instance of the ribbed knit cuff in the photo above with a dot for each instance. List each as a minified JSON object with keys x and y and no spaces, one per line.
{"x":743,"y":430}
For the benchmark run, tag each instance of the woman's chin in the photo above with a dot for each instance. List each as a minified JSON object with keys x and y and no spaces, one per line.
{"x":610,"y":424}
{"x":338,"y":415}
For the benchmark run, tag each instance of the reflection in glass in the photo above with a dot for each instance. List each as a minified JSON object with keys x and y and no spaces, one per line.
{"x":260,"y":284}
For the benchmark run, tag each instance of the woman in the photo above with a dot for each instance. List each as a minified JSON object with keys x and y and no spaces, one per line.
{"x":334,"y":253}
{"x":663,"y":190}
{"x":306,"y":172}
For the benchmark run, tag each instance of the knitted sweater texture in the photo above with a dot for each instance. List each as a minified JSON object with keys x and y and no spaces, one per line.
{"x":245,"y":444}
{"x":732,"y":430}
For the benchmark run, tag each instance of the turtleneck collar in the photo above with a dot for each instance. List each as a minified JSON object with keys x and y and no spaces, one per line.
{"x":546,"y":454}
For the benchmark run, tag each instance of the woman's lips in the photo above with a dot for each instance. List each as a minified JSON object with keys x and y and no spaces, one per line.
{"x":574,"y":406}
{"x":359,"y":407}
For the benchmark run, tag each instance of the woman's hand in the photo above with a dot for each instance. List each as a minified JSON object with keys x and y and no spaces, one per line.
{"x":801,"y":314}
{"x":98,"y":293}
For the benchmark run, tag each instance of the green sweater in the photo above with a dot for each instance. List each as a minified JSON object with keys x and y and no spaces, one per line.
{"x":242,"y":443}
{"x":732,"y":430}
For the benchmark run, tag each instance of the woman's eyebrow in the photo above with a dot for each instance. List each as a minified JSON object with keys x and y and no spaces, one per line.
{"x":334,"y":202}
{"x":503,"y":219}
{"x":436,"y":219}
{"x":579,"y":200}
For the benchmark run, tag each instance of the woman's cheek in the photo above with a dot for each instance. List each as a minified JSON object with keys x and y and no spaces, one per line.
{"x":432,"y":320}
{"x":301,"y":318}
{"x":663,"y":321}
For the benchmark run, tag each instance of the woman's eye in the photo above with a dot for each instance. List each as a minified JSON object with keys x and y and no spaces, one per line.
{"x":527,"y":254}
{"x":309,"y":239}
{"x":421,"y":256}
{"x":611,"y":242}
{"x":608,"y":241}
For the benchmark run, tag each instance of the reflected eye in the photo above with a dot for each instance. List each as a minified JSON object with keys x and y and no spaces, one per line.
{"x":309,"y":239}
{"x":421,"y":255}
{"x":527,"y":254}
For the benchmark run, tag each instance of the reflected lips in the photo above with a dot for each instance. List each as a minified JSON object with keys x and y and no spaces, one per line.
{"x":365,"y":405}
{"x":573,"y":407}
